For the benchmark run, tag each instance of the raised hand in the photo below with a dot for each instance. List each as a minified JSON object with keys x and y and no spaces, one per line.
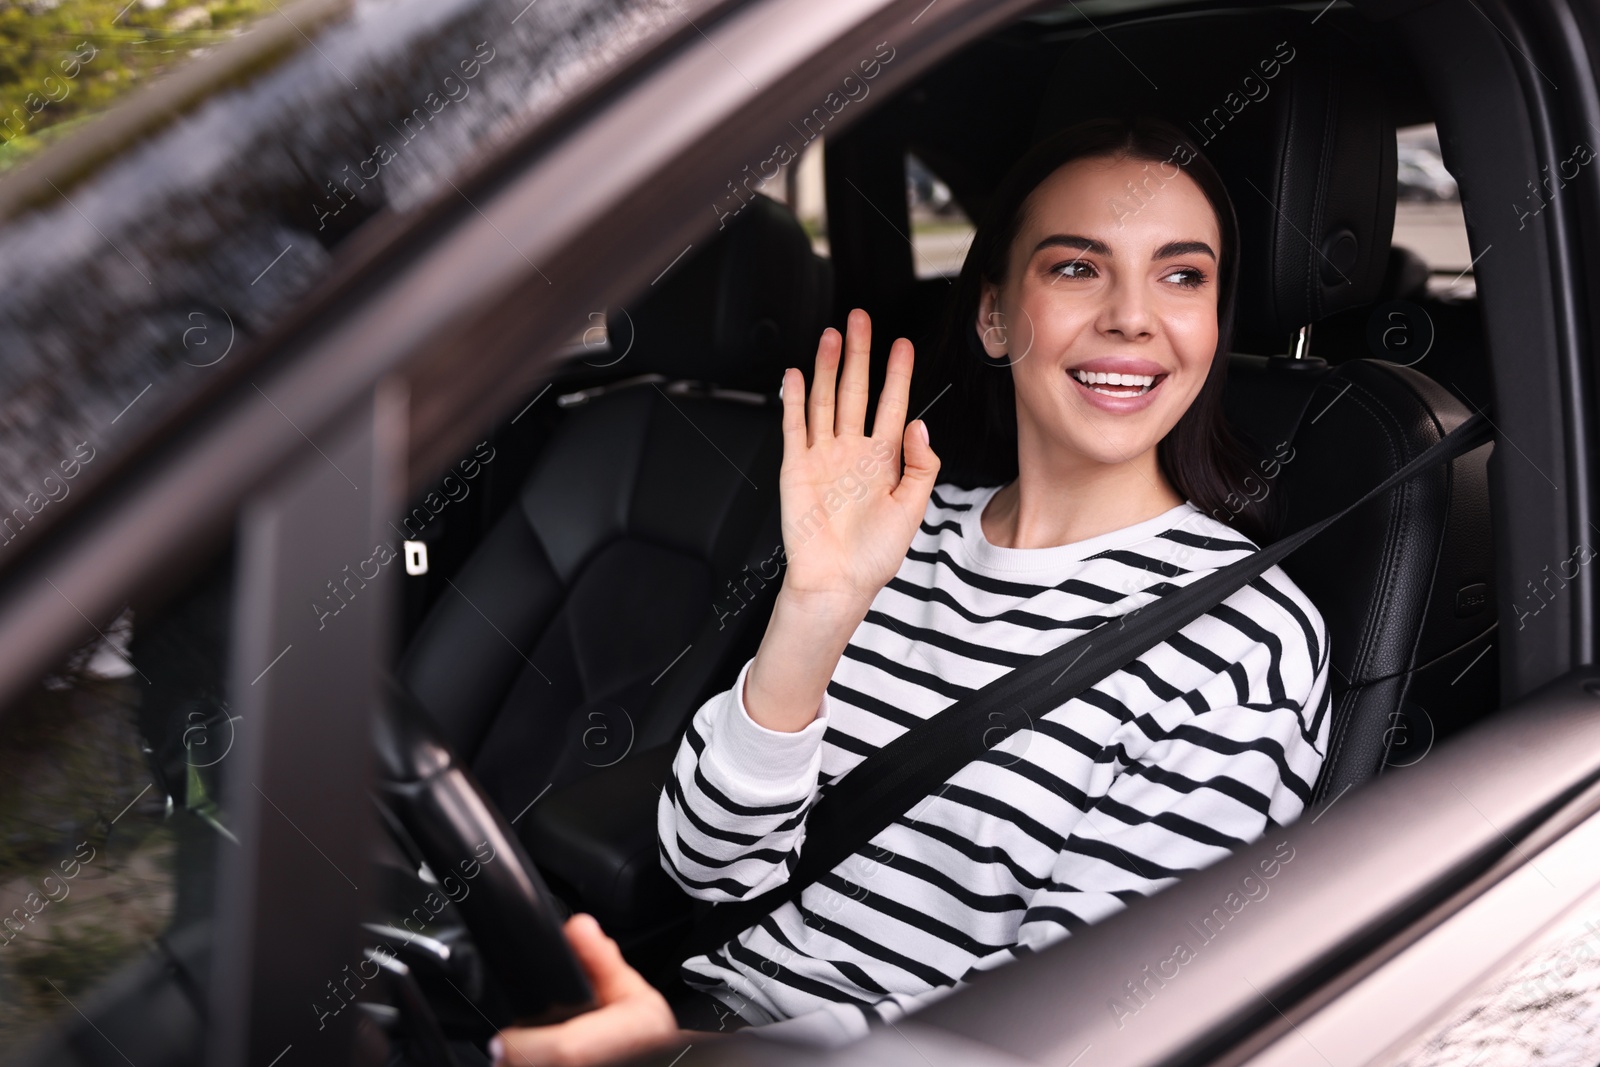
{"x":848,"y":513}
{"x":848,"y":517}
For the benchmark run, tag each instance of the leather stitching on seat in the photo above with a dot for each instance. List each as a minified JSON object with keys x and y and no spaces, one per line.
{"x":1341,"y":725}
{"x":1390,"y":565}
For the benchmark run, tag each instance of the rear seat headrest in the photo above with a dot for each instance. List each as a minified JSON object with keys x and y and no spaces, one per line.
{"x":736,"y":310}
{"x":1291,"y":109}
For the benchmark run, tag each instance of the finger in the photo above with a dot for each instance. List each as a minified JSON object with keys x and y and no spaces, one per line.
{"x":922,"y":467}
{"x":793,"y":396}
{"x":819,"y":408}
{"x":597,"y":1037}
{"x":851,"y":414}
{"x":889,"y":422}
{"x":522,"y":1047}
{"x":610,"y":975}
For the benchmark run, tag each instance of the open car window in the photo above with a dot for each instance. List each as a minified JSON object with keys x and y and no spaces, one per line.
{"x":109,"y":826}
{"x":940,"y":229}
{"x":1428,"y":217}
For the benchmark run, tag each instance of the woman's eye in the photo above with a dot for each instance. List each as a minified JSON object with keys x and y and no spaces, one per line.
{"x":1188,"y":277}
{"x":1077,"y":268}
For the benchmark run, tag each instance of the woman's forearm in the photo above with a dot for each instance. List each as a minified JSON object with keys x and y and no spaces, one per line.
{"x":804,"y":640}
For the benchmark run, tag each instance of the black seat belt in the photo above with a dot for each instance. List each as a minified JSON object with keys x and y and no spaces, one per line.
{"x":861,"y":803}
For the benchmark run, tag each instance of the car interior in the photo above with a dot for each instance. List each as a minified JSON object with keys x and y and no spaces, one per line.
{"x":610,"y":557}
{"x":571,"y":624}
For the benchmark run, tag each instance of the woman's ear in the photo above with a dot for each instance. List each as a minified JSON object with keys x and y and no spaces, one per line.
{"x":991,"y":324}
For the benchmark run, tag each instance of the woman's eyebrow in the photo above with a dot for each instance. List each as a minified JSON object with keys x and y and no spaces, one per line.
{"x":1184,"y":248}
{"x":1072,"y":240}
{"x":1100,"y":248}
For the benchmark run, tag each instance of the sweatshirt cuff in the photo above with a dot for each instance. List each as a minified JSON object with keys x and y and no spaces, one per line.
{"x":766,"y":765}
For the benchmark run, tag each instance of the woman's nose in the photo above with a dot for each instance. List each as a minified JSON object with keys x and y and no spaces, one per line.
{"x":1126,"y":311}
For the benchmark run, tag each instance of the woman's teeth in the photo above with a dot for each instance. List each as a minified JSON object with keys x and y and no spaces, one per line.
{"x":1131,"y":384}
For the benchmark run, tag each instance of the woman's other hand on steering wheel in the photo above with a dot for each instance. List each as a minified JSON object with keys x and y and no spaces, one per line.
{"x":849,"y":514}
{"x":632,"y":1017}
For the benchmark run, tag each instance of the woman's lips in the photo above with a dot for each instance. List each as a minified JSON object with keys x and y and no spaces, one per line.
{"x":1118,"y":405}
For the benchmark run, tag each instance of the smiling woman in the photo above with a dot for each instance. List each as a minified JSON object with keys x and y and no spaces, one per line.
{"x":1117,"y":271}
{"x":1104,"y":343}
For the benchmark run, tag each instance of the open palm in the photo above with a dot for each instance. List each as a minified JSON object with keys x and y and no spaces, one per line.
{"x":849,"y":514}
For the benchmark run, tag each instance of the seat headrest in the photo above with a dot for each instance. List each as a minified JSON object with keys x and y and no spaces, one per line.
{"x":1290,"y":107}
{"x":736,"y":310}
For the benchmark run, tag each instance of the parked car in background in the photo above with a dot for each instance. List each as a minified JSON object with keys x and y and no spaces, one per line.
{"x":1420,"y":171}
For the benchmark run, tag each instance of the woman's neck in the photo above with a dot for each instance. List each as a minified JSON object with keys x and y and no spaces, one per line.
{"x":1059,"y":504}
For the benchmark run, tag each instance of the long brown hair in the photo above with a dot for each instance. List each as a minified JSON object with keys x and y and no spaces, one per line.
{"x":974,"y":428}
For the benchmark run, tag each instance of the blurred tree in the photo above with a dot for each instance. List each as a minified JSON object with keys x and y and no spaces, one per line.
{"x":63,"y":61}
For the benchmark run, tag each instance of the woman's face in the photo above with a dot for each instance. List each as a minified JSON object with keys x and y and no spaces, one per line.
{"x":1103,"y":283}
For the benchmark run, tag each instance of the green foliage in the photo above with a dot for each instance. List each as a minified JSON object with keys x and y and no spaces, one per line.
{"x":45,"y":82}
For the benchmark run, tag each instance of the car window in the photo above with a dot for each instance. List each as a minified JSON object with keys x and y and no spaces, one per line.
{"x":1428,"y":218}
{"x":798,"y":184}
{"x":127,"y":285}
{"x":940,"y":230}
{"x":110,"y":820}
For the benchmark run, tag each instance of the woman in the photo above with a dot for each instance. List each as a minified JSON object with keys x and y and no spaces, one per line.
{"x":1089,"y":330}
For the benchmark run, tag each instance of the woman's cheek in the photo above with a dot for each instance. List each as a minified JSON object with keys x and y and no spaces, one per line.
{"x":1195,"y":335}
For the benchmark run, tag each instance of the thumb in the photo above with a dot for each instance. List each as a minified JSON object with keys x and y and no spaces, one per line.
{"x":922,"y":467}
{"x":609,"y":974}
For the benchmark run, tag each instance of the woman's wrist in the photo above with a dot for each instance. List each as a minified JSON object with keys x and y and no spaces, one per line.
{"x":797,"y":656}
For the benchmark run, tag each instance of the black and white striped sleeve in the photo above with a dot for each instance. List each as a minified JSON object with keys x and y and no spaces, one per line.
{"x":731,"y":818}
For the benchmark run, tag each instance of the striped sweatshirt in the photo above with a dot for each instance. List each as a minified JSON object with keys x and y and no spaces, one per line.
{"x":1162,"y":768}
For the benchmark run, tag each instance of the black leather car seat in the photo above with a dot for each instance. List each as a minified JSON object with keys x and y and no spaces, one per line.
{"x":623,"y":586}
{"x":1405,"y":584}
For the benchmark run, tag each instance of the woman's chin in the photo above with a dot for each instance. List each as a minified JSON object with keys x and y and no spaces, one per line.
{"x":1107,"y":446}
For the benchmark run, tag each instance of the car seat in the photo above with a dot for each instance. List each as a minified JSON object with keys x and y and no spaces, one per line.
{"x":636,"y":569}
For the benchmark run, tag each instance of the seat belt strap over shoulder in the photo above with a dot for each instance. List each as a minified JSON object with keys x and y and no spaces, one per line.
{"x":858,"y":806}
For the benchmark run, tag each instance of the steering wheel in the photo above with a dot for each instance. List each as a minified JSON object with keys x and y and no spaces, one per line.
{"x":513,"y":917}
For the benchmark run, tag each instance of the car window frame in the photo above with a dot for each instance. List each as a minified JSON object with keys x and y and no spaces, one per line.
{"x":334,"y":371}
